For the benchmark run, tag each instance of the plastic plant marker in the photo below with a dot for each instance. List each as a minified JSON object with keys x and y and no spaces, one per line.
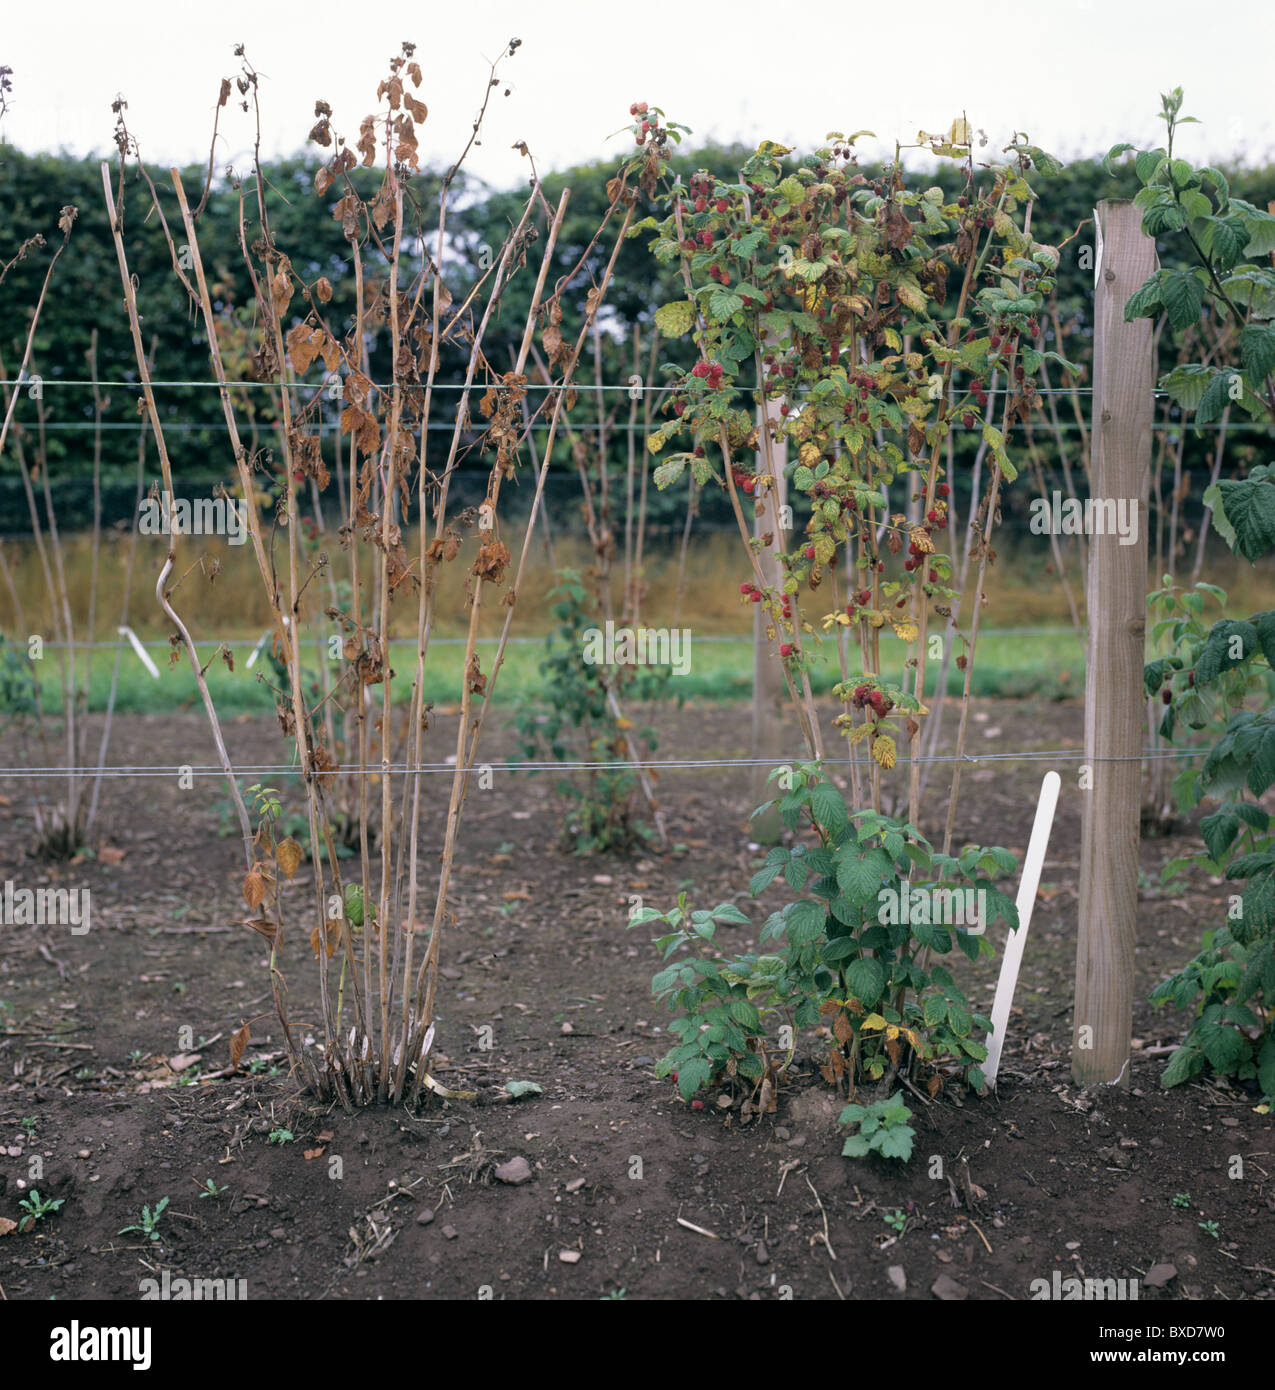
{"x":1017,"y":941}
{"x":142,"y":654}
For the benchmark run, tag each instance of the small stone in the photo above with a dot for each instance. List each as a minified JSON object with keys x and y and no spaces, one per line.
{"x":1159,"y":1275}
{"x":83,"y":1153}
{"x":450,"y":1233}
{"x":946,"y":1288}
{"x":516,"y":1171}
{"x":761,"y":1254}
{"x":567,"y":1028}
{"x":569,"y":1257}
{"x":898,"y":1278}
{"x":575,"y":1184}
{"x":449,"y":972}
{"x":425,"y":1218}
{"x":782,"y":1134}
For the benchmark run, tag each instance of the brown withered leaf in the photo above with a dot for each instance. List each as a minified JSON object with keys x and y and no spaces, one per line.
{"x":841,"y":1029}
{"x":302,"y":347}
{"x":308,"y":1154}
{"x":329,"y":350}
{"x":254,"y":887}
{"x":491,"y":561}
{"x":289,"y":855}
{"x":238,"y":1041}
{"x":224,"y":95}
{"x":898,"y":230}
{"x":416,"y":109}
{"x":322,"y":180}
{"x":475,"y":681}
{"x":333,"y":936}
{"x":281,"y":288}
{"x":266,"y":929}
{"x":414,"y":72}
{"x":383,"y":207}
{"x":323,"y":289}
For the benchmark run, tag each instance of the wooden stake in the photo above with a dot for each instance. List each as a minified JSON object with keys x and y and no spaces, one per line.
{"x":1117,"y":603}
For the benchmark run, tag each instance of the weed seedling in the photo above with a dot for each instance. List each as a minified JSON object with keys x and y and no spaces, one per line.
{"x":149,"y":1226}
{"x":1211,"y":1228}
{"x":1181,"y":1199}
{"x":37,"y":1208}
{"x":281,"y":1136}
{"x":896,"y":1220}
{"x":208,"y":1188}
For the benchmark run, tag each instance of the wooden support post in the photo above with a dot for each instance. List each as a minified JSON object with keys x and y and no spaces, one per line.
{"x":1120,"y":474}
{"x":770,"y":694}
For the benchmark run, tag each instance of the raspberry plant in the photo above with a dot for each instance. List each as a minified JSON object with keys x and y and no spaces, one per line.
{"x":575,"y":717}
{"x":845,"y":325}
{"x":363,"y":362}
{"x":1212,"y":672}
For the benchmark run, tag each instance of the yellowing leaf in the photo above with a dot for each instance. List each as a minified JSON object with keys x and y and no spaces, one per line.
{"x":906,"y":629}
{"x":873,"y":1021}
{"x":676,"y":318}
{"x":959,"y":132}
{"x":911,"y":296}
{"x":809,"y":454}
{"x":859,"y":733}
{"x":884,"y":753}
{"x":922,"y":541}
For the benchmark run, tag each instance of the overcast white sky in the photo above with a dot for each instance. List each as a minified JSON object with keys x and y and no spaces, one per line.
{"x":1077,"y":75}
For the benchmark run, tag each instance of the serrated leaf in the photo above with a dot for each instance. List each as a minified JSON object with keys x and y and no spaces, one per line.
{"x":865,"y":979}
{"x":676,"y":318}
{"x":289,"y":854}
{"x":668,"y":472}
{"x":884,"y":752}
{"x":1183,"y":297}
{"x":1249,"y":505}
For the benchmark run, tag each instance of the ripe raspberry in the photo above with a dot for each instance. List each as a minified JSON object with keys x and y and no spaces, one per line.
{"x":943,"y":489}
{"x":810,"y":552}
{"x":785,"y":649}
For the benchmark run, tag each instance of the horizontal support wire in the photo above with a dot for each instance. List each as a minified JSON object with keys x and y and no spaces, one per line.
{"x":334,"y":427}
{"x":550,"y":765}
{"x":162,"y":643}
{"x":580,"y":388}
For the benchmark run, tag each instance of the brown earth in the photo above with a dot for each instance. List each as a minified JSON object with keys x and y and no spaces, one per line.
{"x":1002,"y":1190}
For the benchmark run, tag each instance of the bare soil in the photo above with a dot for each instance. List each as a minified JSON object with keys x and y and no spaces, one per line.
{"x":1002,"y":1190}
